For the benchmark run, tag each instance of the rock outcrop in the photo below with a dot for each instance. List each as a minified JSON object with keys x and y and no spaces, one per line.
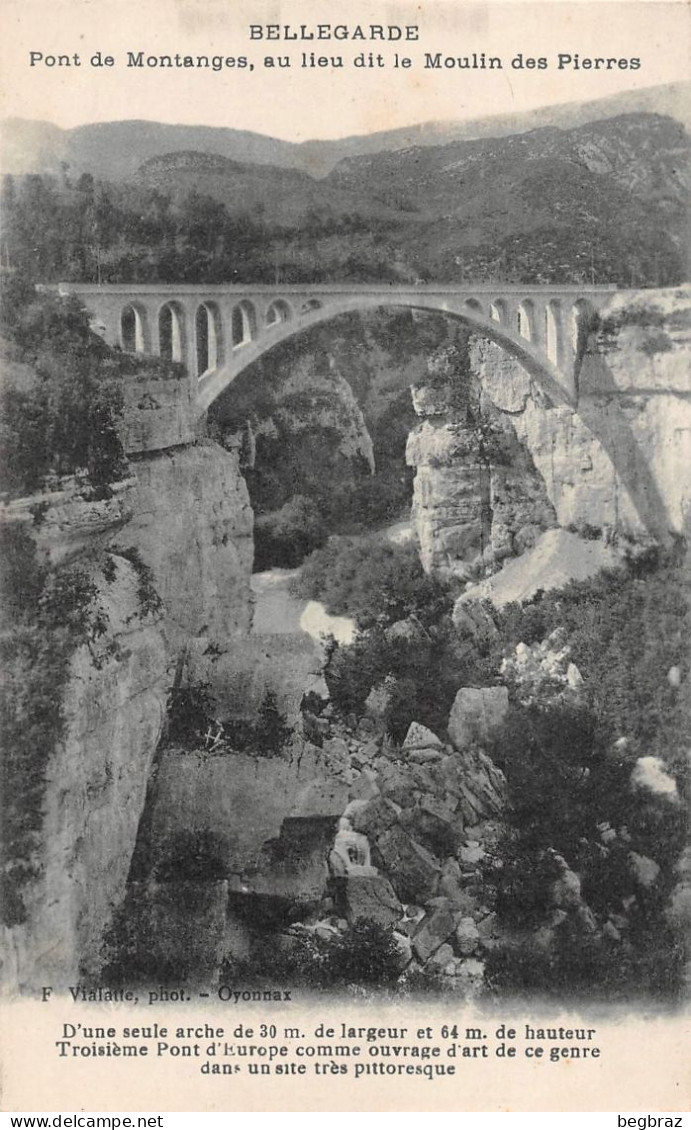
{"x":169,"y":555}
{"x":617,"y":460}
{"x":498,"y":463}
{"x":114,"y":710}
{"x":477,"y":497}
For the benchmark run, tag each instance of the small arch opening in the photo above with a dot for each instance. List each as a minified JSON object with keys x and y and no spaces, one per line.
{"x":525,"y":321}
{"x":552,"y":330}
{"x":497,"y":312}
{"x":582,"y":314}
{"x":310,"y":306}
{"x":243,"y":323}
{"x":279,"y":311}
{"x":171,"y":332}
{"x":473,"y":305}
{"x":133,"y":329}
{"x":208,"y":337}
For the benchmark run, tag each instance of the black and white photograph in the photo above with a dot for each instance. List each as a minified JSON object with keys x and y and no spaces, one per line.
{"x":345,"y":496}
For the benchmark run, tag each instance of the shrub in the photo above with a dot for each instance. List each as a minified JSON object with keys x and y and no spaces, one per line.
{"x":147,"y":594}
{"x":192,"y":856}
{"x":375,"y":582}
{"x":266,"y":736}
{"x":65,"y":422}
{"x":285,"y":537}
{"x":190,"y":713}
{"x":364,"y":954}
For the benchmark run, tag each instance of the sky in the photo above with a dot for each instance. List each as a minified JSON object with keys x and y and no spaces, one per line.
{"x":301,"y":103}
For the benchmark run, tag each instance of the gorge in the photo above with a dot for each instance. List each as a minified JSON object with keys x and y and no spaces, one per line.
{"x":277,"y":807}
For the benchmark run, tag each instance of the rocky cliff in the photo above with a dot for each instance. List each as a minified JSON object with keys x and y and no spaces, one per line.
{"x":478,"y":497}
{"x":503,"y":464}
{"x":617,"y":460}
{"x":168,"y":559}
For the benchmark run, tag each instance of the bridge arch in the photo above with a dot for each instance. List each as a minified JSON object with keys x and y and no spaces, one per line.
{"x":525,"y":320}
{"x":134,"y":329}
{"x":243,"y":323}
{"x":310,"y":306}
{"x":469,"y":311}
{"x":208,"y":328}
{"x":572,"y":321}
{"x":580,"y":317}
{"x":171,"y":332}
{"x":278,"y":311}
{"x":499,"y":312}
{"x":553,"y":331}
{"x":474,"y":305}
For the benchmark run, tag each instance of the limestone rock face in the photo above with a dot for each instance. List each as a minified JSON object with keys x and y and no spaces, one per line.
{"x":192,"y":524}
{"x":557,"y":557}
{"x":158,"y":413}
{"x":475,"y":488}
{"x":477,"y":714}
{"x":313,"y":398}
{"x":71,"y":523}
{"x":96,"y":786}
{"x":239,"y":800}
{"x":619,"y":459}
{"x":185,"y":512}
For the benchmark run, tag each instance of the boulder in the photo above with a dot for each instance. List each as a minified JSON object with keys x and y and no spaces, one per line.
{"x":573,"y":677}
{"x":395,"y":783}
{"x":414,"y":871}
{"x":645,"y":870}
{"x":477,"y":715}
{"x":451,"y":887}
{"x":442,"y":959}
{"x":379,"y":700}
{"x":650,"y":773}
{"x":433,"y":825}
{"x":365,"y":787}
{"x":472,"y":970}
{"x":433,"y":932}
{"x":566,"y":890}
{"x":370,"y":897}
{"x":470,"y":855}
{"x":404,"y":949}
{"x":374,"y":817}
{"x":419,"y":737}
{"x":336,"y":751}
{"x":466,"y":937}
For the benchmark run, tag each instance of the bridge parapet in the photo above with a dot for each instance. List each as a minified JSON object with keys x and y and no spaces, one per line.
{"x":218,"y":331}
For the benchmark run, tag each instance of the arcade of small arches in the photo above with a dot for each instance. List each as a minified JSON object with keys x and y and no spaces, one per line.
{"x":210,"y":338}
{"x":217,"y":332}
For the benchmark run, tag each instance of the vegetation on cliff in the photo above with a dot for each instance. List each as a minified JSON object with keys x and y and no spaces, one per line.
{"x":59,"y":413}
{"x":581,"y":876}
{"x":375,"y":582}
{"x":47,"y":615}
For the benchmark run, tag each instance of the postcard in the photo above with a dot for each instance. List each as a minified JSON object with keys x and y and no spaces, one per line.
{"x":345,"y":500}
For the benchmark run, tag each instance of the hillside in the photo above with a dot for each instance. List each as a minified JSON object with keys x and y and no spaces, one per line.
{"x":285,"y":195}
{"x":541,"y":203}
{"x":115,"y":150}
{"x":604,"y":202}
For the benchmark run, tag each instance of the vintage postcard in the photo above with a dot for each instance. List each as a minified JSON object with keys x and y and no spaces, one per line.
{"x":345,"y":495}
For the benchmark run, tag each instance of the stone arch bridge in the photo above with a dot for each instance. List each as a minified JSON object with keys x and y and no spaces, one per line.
{"x":218,"y":331}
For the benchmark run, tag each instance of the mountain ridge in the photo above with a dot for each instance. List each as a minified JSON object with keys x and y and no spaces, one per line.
{"x":115,"y":150}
